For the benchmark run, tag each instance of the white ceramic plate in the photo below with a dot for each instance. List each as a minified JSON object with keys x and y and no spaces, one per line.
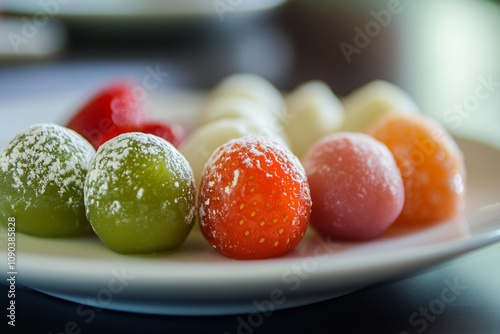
{"x":196,"y":280}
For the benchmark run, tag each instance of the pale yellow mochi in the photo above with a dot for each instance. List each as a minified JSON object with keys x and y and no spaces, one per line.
{"x":370,"y":102}
{"x":313,"y":112}
{"x":247,"y":110}
{"x":253,"y":87}
{"x":235,"y":107}
{"x":203,"y":141}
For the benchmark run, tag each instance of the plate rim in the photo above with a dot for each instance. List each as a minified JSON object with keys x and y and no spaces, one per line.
{"x":422,"y":255}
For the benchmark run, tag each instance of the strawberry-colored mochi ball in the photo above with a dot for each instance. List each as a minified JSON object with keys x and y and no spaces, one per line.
{"x":356,"y":187}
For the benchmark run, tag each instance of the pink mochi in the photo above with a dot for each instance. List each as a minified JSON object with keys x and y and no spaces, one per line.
{"x":356,"y":187}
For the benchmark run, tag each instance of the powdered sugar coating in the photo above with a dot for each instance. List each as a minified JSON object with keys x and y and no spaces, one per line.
{"x":259,"y":154}
{"x":45,"y":165}
{"x":203,"y":141}
{"x":356,"y":187}
{"x":140,"y":182}
{"x":46,"y":155}
{"x":254,"y":199}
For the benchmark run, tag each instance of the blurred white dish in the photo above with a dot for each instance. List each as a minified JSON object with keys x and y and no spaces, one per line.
{"x":196,"y":280}
{"x":136,"y":9}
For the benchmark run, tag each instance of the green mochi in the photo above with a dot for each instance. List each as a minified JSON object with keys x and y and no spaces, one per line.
{"x":140,"y":194}
{"x":42,"y":172}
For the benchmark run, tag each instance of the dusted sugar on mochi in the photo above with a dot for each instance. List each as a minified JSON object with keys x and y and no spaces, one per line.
{"x":372,"y":101}
{"x":140,"y":194}
{"x":313,"y":112}
{"x":203,"y":141}
{"x":253,"y":87}
{"x":254,"y":200}
{"x":356,"y":186}
{"x":431,"y":164}
{"x":42,"y":171}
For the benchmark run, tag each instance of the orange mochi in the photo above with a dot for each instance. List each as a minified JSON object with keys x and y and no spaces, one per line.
{"x":431,"y":165}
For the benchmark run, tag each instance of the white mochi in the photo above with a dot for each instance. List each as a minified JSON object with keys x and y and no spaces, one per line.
{"x":236,"y":107}
{"x":253,"y":87}
{"x":313,"y":112}
{"x":370,"y":102}
{"x":203,"y":141}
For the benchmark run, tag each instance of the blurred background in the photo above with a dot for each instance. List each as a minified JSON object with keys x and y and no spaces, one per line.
{"x":443,"y":52}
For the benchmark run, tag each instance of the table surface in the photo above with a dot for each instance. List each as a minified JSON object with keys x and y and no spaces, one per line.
{"x":422,"y":49}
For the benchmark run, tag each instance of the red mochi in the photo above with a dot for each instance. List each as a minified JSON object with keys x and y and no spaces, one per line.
{"x":356,"y":187}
